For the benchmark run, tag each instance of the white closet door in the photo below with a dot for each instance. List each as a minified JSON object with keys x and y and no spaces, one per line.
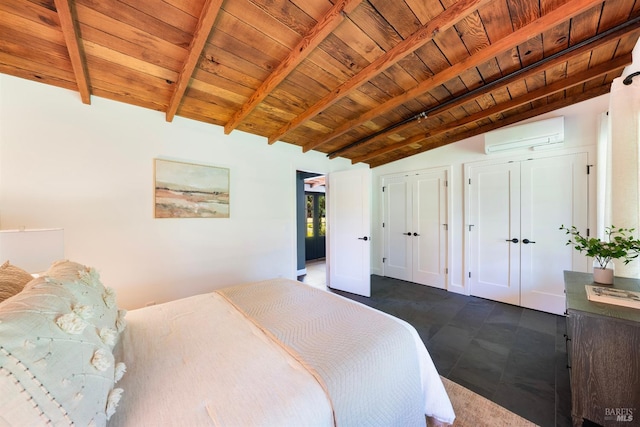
{"x":415,"y":227}
{"x":429,"y":234}
{"x":397,"y":223}
{"x":494,"y":220}
{"x":554,"y":192}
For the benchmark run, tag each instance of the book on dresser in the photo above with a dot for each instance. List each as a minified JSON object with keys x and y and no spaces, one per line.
{"x":610,"y":295}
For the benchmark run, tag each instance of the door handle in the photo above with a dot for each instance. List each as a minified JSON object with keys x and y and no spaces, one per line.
{"x":407,"y":234}
{"x":415,"y":234}
{"x":365,"y":238}
{"x":514,"y":240}
{"x":527,"y":241}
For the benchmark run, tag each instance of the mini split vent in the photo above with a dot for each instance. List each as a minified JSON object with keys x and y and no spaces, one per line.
{"x":535,"y":135}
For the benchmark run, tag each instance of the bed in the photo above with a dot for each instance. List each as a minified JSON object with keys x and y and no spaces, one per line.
{"x":270,"y":353}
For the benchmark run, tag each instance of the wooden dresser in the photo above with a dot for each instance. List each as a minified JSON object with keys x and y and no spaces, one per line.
{"x":603,"y":345}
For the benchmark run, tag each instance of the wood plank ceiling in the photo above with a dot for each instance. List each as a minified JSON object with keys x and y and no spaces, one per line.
{"x":370,"y":80}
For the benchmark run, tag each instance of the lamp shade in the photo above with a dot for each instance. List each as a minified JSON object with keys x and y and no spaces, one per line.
{"x":32,"y":250}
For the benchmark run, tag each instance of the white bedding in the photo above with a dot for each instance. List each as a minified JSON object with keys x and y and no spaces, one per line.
{"x":198,"y":362}
{"x":185,"y":369}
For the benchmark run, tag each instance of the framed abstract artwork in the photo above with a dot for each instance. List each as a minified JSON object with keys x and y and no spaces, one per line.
{"x":188,"y":190}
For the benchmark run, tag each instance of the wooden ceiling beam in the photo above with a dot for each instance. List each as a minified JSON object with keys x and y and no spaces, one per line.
{"x":208,"y":17}
{"x":425,"y":34}
{"x":510,"y":79}
{"x":592,"y":93}
{"x":557,"y":16}
{"x":70,"y":33}
{"x":560,"y":57}
{"x":318,"y":33}
{"x":540,"y":93}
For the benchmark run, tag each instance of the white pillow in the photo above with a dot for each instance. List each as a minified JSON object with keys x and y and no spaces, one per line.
{"x":84,"y":284}
{"x":56,"y":350}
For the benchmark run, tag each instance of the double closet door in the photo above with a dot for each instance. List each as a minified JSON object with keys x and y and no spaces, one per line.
{"x":517,"y":252}
{"x":415,"y":227}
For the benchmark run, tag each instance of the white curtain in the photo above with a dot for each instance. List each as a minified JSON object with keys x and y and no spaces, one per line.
{"x":603,"y":176}
{"x":624,"y":115}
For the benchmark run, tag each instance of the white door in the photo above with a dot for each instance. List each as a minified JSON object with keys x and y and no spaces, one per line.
{"x":397,"y":228}
{"x":349,"y":231}
{"x":517,"y":252}
{"x":494,"y":232}
{"x":415,"y":227}
{"x":429,"y":230}
{"x":554,"y":192}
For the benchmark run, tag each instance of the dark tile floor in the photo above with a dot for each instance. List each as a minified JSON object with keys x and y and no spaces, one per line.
{"x":511,"y":355}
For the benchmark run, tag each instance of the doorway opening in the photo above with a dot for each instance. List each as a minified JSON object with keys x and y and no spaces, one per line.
{"x":315,"y":220}
{"x":312,"y":227}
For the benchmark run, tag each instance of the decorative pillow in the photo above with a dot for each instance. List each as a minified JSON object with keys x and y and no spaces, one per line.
{"x":12,"y":280}
{"x":56,"y":349}
{"x":94,"y":301}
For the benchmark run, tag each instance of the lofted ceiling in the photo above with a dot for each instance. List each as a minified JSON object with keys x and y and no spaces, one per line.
{"x":373,"y":81}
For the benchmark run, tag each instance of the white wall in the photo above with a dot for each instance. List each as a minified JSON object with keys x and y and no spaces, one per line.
{"x":89,"y":169}
{"x":581,"y":128}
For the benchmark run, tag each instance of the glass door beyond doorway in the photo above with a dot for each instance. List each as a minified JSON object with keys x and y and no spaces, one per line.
{"x":316,"y":227}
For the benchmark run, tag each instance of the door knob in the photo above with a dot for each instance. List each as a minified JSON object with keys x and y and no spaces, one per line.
{"x":514,"y":240}
{"x":365,"y":238}
{"x":527,"y":241}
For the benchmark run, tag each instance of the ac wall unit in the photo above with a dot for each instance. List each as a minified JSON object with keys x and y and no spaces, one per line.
{"x":534,"y":135}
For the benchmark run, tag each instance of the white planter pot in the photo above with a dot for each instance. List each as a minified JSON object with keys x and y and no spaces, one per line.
{"x":603,"y":276}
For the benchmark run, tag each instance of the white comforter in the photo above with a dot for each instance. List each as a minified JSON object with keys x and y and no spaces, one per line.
{"x":198,"y":362}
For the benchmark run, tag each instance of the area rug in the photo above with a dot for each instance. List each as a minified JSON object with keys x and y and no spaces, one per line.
{"x":473,"y":410}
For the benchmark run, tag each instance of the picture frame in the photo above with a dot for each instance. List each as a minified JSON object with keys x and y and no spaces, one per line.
{"x":190,"y":190}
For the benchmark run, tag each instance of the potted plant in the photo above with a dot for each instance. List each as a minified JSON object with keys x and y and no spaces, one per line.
{"x":620,"y":244}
